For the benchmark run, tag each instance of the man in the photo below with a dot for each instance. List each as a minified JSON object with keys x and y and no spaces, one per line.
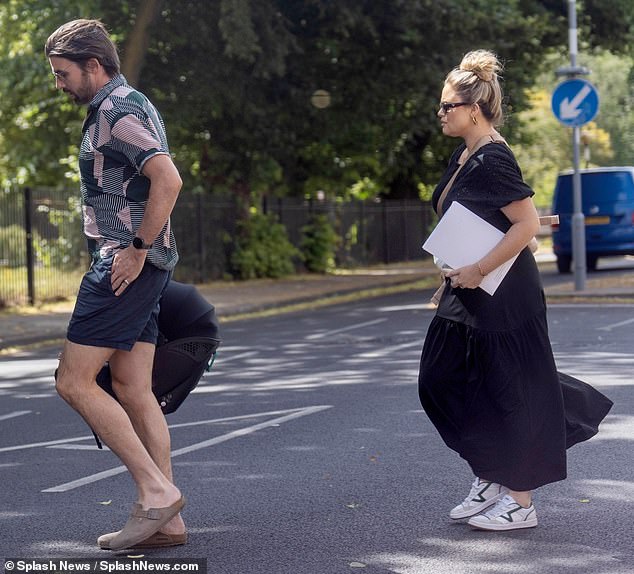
{"x":129,"y":186}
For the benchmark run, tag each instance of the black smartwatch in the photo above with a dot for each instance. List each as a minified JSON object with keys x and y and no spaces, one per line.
{"x":138,"y":243}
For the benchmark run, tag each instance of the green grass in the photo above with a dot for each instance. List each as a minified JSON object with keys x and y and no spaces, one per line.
{"x":50,"y":284}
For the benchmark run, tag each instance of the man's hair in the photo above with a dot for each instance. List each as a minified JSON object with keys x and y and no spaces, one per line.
{"x":81,"y":40}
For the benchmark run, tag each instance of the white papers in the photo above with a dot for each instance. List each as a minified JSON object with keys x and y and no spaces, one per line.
{"x":462,"y":238}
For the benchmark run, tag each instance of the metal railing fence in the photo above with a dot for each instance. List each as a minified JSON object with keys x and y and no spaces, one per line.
{"x":43,"y":251}
{"x":371,"y":232}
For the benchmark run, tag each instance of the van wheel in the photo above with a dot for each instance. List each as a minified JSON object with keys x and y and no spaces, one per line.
{"x":563,"y":263}
{"x":591,"y":262}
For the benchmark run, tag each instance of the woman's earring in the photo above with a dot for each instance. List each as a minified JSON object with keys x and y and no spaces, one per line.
{"x":474,"y":120}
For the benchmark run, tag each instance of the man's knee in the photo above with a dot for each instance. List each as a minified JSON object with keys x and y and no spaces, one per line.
{"x":70,"y":385}
{"x":65,"y":386}
{"x":78,"y":368}
{"x":133,"y":397}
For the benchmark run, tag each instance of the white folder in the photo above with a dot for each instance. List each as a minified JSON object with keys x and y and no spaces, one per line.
{"x":463,"y":238}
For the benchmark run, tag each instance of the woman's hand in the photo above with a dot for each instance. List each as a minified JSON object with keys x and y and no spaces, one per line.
{"x":467,"y":277}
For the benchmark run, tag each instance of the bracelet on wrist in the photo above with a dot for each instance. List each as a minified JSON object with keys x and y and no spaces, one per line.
{"x":482,"y":273}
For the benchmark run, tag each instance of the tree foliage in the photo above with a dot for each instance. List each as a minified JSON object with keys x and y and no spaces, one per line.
{"x":610,"y":24}
{"x":234,"y":80}
{"x":545,"y":146}
{"x":39,"y":128}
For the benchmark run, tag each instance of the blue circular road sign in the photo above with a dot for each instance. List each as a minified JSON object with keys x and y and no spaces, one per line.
{"x":575,"y":102}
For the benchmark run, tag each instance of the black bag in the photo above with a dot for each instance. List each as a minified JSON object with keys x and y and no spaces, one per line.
{"x":186,"y":348}
{"x":178,"y":367}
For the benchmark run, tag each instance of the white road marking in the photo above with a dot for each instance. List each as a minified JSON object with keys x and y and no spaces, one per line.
{"x":615,"y":325}
{"x":388,"y":350}
{"x":46,"y":443}
{"x":13,"y":415}
{"x":412,"y":307}
{"x":63,"y":441}
{"x":296,"y":413}
{"x":78,"y":447}
{"x":226,"y":359}
{"x":343,"y":329}
{"x":590,"y":305}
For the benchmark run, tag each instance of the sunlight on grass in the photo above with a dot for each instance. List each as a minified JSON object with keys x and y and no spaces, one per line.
{"x":50,"y":284}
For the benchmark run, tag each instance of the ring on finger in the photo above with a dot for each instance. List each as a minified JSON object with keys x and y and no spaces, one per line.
{"x":126,"y":282}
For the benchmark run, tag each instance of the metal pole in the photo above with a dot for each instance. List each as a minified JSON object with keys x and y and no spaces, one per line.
{"x":386,"y":240}
{"x":30,"y":260}
{"x":201,"y":238}
{"x":578,"y":219}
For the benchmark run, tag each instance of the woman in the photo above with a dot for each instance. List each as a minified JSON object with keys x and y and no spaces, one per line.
{"x":488,"y":380}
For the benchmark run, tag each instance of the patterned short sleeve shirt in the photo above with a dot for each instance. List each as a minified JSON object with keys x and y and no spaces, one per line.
{"x":121,"y":132}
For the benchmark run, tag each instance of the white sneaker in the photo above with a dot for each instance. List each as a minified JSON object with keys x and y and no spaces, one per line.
{"x":506,"y":515}
{"x":482,"y":495}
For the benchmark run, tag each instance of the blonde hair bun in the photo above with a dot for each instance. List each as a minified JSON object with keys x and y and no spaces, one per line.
{"x":484,"y":64}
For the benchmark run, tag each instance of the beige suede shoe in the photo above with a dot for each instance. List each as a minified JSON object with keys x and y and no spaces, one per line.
{"x":157,"y":540}
{"x":143,"y":523}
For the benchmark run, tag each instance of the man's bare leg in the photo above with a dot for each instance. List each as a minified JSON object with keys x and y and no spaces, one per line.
{"x":78,"y":369}
{"x":134,"y":390}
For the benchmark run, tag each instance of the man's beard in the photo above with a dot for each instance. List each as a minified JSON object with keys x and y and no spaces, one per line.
{"x":83,"y":95}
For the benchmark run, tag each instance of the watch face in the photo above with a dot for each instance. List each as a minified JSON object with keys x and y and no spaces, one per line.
{"x":138,"y":243}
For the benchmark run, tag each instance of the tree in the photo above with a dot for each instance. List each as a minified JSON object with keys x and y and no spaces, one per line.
{"x":245,"y":119}
{"x":35,"y":122}
{"x":544,"y":146}
{"x":137,"y":40}
{"x":613,"y":75}
{"x":609,"y":24}
{"x":234,"y":79}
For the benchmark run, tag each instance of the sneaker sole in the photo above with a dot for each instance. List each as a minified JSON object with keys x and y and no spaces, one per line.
{"x":477,"y":510}
{"x":502,"y":527}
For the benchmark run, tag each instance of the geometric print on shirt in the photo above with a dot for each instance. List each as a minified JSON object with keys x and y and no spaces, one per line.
{"x":122,"y":130}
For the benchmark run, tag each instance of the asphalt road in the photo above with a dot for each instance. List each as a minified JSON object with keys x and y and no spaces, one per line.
{"x":305,"y":451}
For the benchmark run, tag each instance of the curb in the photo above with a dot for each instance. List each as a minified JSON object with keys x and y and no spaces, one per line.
{"x":327,"y":299}
{"x":425,"y":280}
{"x":253,"y":311}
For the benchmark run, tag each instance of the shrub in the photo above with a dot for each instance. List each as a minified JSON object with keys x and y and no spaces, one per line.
{"x":12,"y":246}
{"x":263,"y":249}
{"x":318,"y":245}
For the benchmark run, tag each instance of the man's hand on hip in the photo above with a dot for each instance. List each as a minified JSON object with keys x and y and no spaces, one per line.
{"x":127,"y":265}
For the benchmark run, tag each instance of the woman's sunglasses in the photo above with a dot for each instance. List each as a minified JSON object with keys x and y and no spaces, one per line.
{"x":446,"y":107}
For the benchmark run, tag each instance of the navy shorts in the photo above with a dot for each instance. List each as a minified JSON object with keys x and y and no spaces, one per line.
{"x":101,"y":319}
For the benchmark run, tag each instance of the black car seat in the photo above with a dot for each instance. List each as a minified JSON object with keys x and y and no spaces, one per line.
{"x":186,"y":347}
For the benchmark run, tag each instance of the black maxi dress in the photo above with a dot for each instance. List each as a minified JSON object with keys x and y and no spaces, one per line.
{"x":488,"y":380}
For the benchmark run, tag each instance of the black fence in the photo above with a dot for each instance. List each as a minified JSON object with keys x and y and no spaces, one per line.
{"x":370,"y":232}
{"x":43,"y":252}
{"x":42,"y":249}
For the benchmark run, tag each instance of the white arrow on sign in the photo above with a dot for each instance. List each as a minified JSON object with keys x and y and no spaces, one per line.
{"x":568,"y":109}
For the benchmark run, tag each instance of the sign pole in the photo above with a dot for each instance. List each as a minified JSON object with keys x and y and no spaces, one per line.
{"x":575,"y":102}
{"x":578,"y":219}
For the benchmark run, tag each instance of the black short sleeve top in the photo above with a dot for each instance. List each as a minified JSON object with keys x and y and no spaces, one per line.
{"x":490,"y":180}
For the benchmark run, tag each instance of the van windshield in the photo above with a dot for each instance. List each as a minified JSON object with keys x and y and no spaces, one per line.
{"x":596,"y":189}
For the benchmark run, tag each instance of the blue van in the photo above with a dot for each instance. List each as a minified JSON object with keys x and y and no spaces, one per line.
{"x":607,"y":198}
